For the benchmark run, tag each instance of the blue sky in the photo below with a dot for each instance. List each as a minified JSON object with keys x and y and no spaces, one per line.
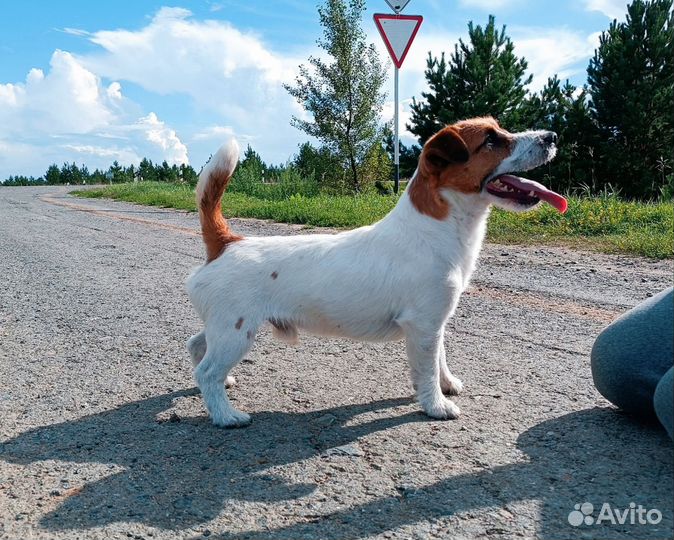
{"x":92,"y":82}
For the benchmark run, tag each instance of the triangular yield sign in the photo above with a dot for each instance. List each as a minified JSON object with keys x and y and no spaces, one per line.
{"x":398,"y":32}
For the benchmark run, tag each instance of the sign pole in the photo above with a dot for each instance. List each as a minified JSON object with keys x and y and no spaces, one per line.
{"x":396,"y":144}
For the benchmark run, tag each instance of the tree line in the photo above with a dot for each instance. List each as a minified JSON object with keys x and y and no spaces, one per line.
{"x":71,"y":173}
{"x":616,"y":132}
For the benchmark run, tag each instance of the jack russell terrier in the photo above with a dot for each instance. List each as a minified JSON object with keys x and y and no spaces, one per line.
{"x":399,"y":278}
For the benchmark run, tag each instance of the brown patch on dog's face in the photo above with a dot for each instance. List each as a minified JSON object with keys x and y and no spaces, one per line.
{"x":458,"y":157}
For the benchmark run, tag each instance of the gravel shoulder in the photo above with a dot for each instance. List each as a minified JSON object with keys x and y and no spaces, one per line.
{"x":103,"y":434}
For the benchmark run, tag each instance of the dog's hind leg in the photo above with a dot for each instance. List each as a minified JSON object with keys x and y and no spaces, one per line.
{"x":224,"y":350}
{"x":196,"y":346}
{"x":449,"y":384}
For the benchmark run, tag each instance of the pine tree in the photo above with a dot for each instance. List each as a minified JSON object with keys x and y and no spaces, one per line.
{"x":130,"y":173}
{"x":343,"y":95}
{"x":564,"y":109}
{"x":116,"y":172}
{"x":188,"y":175}
{"x":97,"y":177}
{"x":252,"y":162}
{"x":318,"y":164}
{"x":483,"y":77}
{"x":631,"y":83}
{"x":53,"y":175}
{"x":165,"y":173}
{"x":77,"y":175}
{"x":147,"y":171}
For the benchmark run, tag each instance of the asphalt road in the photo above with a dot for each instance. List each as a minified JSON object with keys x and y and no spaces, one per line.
{"x":103,"y":435}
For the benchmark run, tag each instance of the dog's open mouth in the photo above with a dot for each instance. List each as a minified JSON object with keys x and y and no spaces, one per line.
{"x":525,"y":192}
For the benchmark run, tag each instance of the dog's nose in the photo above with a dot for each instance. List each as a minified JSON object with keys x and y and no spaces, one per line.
{"x":550,"y":137}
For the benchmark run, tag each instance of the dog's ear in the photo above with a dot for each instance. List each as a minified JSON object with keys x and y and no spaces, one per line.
{"x":445,"y":148}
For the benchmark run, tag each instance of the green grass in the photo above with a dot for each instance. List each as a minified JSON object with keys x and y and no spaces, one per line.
{"x":604,"y":224}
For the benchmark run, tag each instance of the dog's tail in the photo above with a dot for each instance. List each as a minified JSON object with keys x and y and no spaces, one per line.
{"x":212,"y":183}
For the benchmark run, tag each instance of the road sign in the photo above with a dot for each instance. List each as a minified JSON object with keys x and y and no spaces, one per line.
{"x":398,"y":32}
{"x":397,"y":5}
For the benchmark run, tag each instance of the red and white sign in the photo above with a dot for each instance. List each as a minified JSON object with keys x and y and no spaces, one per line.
{"x":398,"y":32}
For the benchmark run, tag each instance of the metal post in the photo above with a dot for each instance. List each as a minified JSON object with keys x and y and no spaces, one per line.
{"x":396,"y":150}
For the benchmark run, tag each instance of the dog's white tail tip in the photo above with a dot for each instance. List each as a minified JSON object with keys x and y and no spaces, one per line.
{"x":221,"y":165}
{"x":226,"y":158}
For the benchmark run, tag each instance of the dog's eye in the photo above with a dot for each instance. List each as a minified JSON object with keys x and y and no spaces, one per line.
{"x":492,"y":140}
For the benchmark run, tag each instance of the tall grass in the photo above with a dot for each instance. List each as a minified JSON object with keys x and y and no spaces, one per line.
{"x":284,"y":185}
{"x":607,"y":224}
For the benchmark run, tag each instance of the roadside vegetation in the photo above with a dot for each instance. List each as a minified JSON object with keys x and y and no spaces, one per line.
{"x":605,"y":224}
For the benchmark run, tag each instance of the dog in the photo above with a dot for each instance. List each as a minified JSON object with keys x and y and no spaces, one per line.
{"x":399,"y":278}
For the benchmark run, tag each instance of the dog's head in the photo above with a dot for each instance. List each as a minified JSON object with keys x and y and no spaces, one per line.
{"x":477,"y":157}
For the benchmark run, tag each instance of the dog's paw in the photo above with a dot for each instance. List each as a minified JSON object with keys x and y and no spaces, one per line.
{"x":233,"y":419}
{"x":229,"y":381}
{"x":442,"y":409}
{"x":451,"y":386}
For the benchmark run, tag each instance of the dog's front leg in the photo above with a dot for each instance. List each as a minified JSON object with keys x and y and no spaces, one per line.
{"x":423,"y":351}
{"x":449,"y":384}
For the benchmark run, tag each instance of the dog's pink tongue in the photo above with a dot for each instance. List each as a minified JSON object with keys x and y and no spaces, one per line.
{"x":543,"y":193}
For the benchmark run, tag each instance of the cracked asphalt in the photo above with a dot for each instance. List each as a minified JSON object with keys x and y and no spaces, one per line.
{"x":103,"y":434}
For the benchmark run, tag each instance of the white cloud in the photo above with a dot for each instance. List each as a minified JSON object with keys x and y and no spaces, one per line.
{"x":10,"y":94}
{"x":167,"y":13}
{"x":115,"y":91}
{"x":67,"y":115}
{"x":613,"y":9}
{"x":174,"y":151}
{"x":229,"y":74}
{"x":216,"y":64}
{"x":404,"y":115}
{"x":214,"y":132}
{"x":75,"y":32}
{"x":17,"y":157}
{"x":123,"y":155}
{"x":551,"y":51}
{"x":67,"y":99}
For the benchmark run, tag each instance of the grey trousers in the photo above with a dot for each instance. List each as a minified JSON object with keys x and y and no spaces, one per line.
{"x":632,"y":360}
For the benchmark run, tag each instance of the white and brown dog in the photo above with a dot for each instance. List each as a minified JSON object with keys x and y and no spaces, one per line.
{"x":399,"y":278}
